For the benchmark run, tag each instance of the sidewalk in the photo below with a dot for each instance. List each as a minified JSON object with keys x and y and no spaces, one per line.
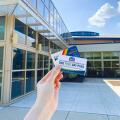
{"x":78,"y":101}
{"x":15,"y":113}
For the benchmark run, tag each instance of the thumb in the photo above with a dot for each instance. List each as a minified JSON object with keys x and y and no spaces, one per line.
{"x":54,"y":73}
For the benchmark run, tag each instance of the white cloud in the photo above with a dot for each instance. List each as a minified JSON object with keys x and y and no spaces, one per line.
{"x":103,"y":14}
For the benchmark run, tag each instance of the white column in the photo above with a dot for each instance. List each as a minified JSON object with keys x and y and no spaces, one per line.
{"x":8,"y":60}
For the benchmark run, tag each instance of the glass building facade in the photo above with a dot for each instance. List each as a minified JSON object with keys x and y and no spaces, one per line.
{"x":102,"y":64}
{"x":28,"y":63}
{"x":29,"y":32}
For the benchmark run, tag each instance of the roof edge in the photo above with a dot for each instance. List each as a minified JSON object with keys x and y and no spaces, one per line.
{"x":9,"y":2}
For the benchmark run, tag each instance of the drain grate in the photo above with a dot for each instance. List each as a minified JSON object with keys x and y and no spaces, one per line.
{"x":114,"y":82}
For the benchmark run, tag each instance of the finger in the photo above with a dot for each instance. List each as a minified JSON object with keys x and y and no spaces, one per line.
{"x":58,"y":82}
{"x":45,"y":78}
{"x":54,"y":73}
{"x":58,"y":78}
{"x":57,"y":89}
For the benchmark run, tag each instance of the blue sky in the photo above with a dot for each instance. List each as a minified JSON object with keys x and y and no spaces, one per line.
{"x":102,"y":16}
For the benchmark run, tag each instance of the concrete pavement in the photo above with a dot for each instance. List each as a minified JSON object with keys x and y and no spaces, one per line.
{"x":91,"y":100}
{"x":16,"y":113}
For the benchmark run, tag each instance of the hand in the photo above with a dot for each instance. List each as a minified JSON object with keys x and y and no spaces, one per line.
{"x":48,"y":89}
{"x":47,"y":96}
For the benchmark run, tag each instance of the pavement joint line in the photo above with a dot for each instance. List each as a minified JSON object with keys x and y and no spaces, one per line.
{"x":21,"y":107}
{"x":91,"y":114}
{"x":67,"y":115}
{"x":108,"y":117}
{"x":94,"y":113}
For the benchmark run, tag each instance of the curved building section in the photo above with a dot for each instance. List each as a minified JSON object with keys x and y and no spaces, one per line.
{"x":84,"y":33}
{"x":87,"y":37}
{"x":102,"y":53}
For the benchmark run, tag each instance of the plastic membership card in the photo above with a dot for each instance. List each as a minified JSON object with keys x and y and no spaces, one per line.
{"x":69,"y":62}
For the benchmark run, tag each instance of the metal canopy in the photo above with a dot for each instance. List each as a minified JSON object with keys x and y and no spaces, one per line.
{"x":30,"y":16}
{"x":6,"y":9}
{"x":34,"y":24}
{"x":43,"y":31}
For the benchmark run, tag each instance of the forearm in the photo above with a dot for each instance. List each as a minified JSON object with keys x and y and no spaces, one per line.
{"x":38,"y":112}
{"x":34,"y":113}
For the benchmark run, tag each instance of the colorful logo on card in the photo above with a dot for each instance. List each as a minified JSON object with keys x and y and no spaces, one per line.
{"x":72,"y":59}
{"x":71,"y":51}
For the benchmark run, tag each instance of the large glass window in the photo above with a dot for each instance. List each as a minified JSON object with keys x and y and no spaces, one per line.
{"x":30,"y":60}
{"x":115,"y":64}
{"x":115,"y":55}
{"x":40,"y":39}
{"x":33,"y":2}
{"x":30,"y":81}
{"x":46,"y":15}
{"x":46,"y":61}
{"x":1,"y":57}
{"x":2,"y":27}
{"x":0,"y":93}
{"x":51,"y":64}
{"x":21,"y":30}
{"x":90,"y":64}
{"x":39,"y":75}
{"x":89,"y":55}
{"x":104,"y":64}
{"x":117,"y":72}
{"x":19,"y":59}
{"x":31,"y":38}
{"x":52,"y":47}
{"x":40,"y":61}
{"x":109,"y":73}
{"x":40,"y":7}
{"x":51,"y":8}
{"x":45,"y":71}
{"x":18,"y":84}
{"x":107,"y":64}
{"x":51,"y":20}
{"x":58,"y":24}
{"x":82,"y":55}
{"x":46,"y":45}
{"x":47,"y":3}
{"x":97,"y":64}
{"x":97,"y":55}
{"x":0,"y":77}
{"x":43,"y":44}
{"x":107,"y":55}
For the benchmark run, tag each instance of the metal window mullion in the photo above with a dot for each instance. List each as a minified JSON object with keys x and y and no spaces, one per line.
{"x":40,"y":69}
{"x":43,"y":64}
{"x":11,"y":77}
{"x":102,"y":62}
{"x":2,"y":71}
{"x":26,"y":35}
{"x":119,"y":60}
{"x":21,"y":70}
{"x":36,"y":60}
{"x":25,"y":72}
{"x":49,"y":54}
